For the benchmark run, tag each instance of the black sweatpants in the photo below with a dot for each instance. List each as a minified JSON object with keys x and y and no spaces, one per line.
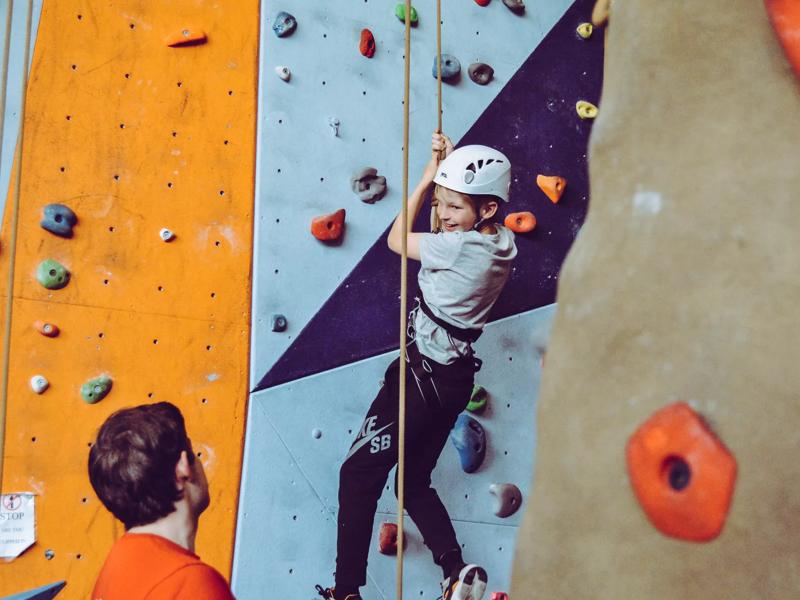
{"x":374,"y":453}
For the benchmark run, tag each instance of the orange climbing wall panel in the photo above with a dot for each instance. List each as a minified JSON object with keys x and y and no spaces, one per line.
{"x":134,"y":136}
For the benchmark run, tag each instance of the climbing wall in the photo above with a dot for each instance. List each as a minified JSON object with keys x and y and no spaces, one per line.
{"x":134,"y":136}
{"x":682,"y":287}
{"x":313,"y":380}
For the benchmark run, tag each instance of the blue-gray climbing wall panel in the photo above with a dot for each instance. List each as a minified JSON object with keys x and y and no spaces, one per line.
{"x":45,"y":592}
{"x":534,"y":121}
{"x":304,"y":170}
{"x":13,"y":90}
{"x":289,"y":487}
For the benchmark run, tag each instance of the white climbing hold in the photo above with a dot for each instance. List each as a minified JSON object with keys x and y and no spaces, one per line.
{"x":39,"y":383}
{"x":334,"y":123}
{"x":283,"y":72}
{"x":166,"y":235}
{"x":507,"y":499}
{"x":316,"y":433}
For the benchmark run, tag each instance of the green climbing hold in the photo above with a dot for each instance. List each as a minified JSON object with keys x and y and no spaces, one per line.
{"x":400,"y":13}
{"x":96,"y":389}
{"x":478,"y":400}
{"x":52,"y":274}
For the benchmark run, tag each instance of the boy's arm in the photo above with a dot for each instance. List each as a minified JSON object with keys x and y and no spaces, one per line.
{"x":439,"y":143}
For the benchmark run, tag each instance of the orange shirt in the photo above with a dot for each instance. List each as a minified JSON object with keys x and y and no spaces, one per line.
{"x":142,"y":566}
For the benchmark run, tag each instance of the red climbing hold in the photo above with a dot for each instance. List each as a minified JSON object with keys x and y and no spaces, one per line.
{"x":499,"y":596}
{"x":521,"y":222}
{"x":785,"y":17}
{"x":367,"y":44}
{"x":681,"y":473}
{"x":387,"y":539}
{"x":482,"y":2}
{"x":46,"y":329}
{"x":328,"y":227}
{"x":552,"y":185}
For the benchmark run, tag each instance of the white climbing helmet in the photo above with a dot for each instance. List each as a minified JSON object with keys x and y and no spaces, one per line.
{"x":476,"y":170}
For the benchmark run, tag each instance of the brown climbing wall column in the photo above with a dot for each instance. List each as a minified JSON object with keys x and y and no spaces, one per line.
{"x":683,"y":285}
{"x":135,"y":136}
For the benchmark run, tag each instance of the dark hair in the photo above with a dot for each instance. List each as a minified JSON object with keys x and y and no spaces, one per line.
{"x":132,"y":463}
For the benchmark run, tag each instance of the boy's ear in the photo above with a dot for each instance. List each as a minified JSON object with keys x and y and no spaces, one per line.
{"x":488,"y":209}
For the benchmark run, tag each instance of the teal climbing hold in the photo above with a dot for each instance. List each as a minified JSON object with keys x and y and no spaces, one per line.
{"x":400,"y":13}
{"x":507,"y":499}
{"x":478,"y":400}
{"x":96,"y":389}
{"x":284,"y":24}
{"x":45,"y":592}
{"x":52,"y":274}
{"x":59,"y":219}
{"x":451,"y":67}
{"x":469,"y":438}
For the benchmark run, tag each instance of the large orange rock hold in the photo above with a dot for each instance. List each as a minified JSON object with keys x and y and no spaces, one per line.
{"x":328,"y":227}
{"x":552,"y":185}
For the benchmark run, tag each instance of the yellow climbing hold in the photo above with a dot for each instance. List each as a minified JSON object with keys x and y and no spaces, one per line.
{"x":585,"y":30}
{"x":586,"y":110}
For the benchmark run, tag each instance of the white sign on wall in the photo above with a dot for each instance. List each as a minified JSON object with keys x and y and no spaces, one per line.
{"x":17,"y":524}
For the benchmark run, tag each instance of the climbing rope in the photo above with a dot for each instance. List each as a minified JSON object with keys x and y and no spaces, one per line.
{"x":435,"y":223}
{"x":401,"y":444}
{"x":15,"y":207}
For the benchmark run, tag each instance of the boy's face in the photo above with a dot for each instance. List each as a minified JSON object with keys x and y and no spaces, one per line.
{"x":455,"y":210}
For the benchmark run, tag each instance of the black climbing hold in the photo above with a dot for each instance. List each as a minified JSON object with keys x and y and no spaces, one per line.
{"x":480,"y":73}
{"x":59,"y":219}
{"x":515,"y":6}
{"x":284,"y":24}
{"x":369,"y":186}
{"x":451,"y":67}
{"x":278,"y":323}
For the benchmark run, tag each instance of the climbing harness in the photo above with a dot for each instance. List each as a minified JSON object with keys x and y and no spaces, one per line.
{"x":15,"y":208}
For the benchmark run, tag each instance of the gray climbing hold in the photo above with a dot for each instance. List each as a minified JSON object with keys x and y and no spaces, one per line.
{"x":283,"y":72}
{"x":284,"y":24}
{"x":451,"y":67}
{"x":52,"y":274}
{"x":39,"y":384}
{"x":49,"y":554}
{"x":515,"y":6}
{"x":96,"y":389}
{"x":166,"y":235}
{"x":278,"y":323}
{"x":316,"y":433}
{"x":480,"y":73}
{"x":59,"y":219}
{"x":333,"y":123}
{"x":506,"y":499}
{"x":469,"y":438}
{"x":368,"y":185}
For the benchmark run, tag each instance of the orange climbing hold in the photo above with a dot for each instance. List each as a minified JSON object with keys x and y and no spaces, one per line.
{"x":785,"y":17}
{"x":188,"y":36}
{"x":328,"y":227}
{"x":521,"y":222}
{"x":367,"y":44}
{"x":46,"y":329}
{"x":387,"y":539}
{"x":552,"y":185}
{"x":682,"y":474}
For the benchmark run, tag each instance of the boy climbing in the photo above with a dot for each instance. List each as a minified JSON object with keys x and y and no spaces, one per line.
{"x":464,"y":266}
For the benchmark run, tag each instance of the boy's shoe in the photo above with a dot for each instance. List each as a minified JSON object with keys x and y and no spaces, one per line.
{"x":469,"y":583}
{"x":329,"y":594}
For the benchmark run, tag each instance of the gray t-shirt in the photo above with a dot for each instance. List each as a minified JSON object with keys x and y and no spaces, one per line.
{"x":461,"y":277}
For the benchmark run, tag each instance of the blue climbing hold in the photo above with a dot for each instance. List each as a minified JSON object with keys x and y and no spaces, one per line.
{"x":284,"y":24}
{"x":469,"y":438}
{"x":451,"y":68}
{"x":59,"y":219}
